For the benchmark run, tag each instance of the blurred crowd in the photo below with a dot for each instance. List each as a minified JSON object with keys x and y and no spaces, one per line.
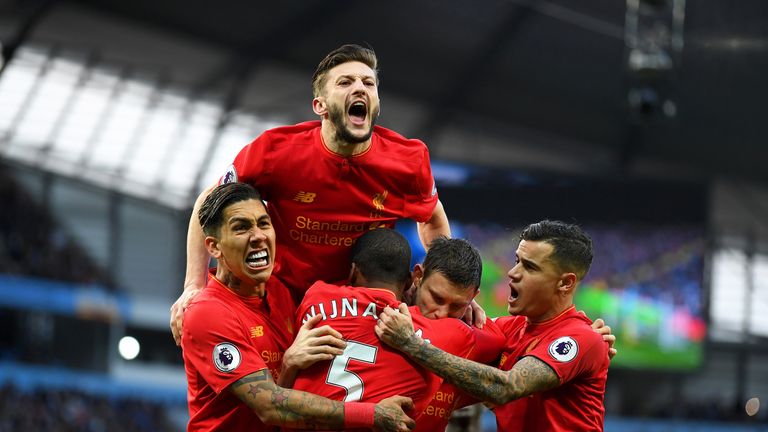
{"x":707,"y":409}
{"x":57,"y":410}
{"x":31,"y":244}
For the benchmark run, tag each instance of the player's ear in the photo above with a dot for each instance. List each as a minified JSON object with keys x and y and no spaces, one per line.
{"x":212,"y":246}
{"x":418,"y":274}
{"x":353,"y":272}
{"x":319,"y":106}
{"x":567,"y":283}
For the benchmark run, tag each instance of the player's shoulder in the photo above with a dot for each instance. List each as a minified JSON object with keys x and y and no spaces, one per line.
{"x":293,"y":129}
{"x":320,"y":291}
{"x":290,"y":134}
{"x":391,"y":138}
{"x":444,"y":326}
{"x":573,"y":337}
{"x":205,"y":305}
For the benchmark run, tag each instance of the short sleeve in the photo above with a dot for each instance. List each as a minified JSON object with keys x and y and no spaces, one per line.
{"x":249,"y":163}
{"x":214,"y":343}
{"x":570,"y":353}
{"x":425,"y":198}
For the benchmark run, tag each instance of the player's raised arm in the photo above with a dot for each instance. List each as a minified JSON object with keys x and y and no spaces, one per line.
{"x":197,"y":266}
{"x":435,"y":227}
{"x":278,"y":406}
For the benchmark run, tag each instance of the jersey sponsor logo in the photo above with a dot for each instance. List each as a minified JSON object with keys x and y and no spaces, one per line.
{"x":257,"y":331}
{"x":230,"y":176}
{"x":305,"y":197}
{"x":564,"y":349}
{"x":226,"y":357}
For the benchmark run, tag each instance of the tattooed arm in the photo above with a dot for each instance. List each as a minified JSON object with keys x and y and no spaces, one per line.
{"x":278,"y":406}
{"x":529,"y":375}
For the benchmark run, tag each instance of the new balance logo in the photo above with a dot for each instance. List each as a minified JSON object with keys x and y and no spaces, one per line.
{"x":305,"y":197}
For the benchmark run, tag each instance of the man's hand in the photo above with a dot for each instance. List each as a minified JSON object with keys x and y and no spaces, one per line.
{"x":395,"y":326}
{"x":177,"y":311}
{"x":390,"y":415}
{"x":600,"y":328}
{"x":312,"y":345}
{"x":474,"y":315}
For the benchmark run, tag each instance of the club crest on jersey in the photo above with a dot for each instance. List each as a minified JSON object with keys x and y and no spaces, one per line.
{"x":230,"y":176}
{"x":564,"y":349}
{"x":226,"y":357}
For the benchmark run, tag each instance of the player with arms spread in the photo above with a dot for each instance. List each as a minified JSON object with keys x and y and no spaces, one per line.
{"x":239,"y":327}
{"x":553,"y":355}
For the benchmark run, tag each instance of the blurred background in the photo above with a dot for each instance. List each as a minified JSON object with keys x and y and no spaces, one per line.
{"x":644,"y":121}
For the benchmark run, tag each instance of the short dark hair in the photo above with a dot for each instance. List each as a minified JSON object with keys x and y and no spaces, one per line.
{"x":383,"y":254}
{"x":572,"y":247}
{"x":343,"y":54}
{"x":222,"y":196}
{"x":456,"y":259}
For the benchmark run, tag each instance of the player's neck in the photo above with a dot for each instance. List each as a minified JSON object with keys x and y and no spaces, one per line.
{"x":360,"y":281}
{"x":245,"y":288}
{"x":339,"y":147}
{"x":553,"y":312}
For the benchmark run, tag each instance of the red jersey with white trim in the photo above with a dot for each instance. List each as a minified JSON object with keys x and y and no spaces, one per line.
{"x":320,"y":202}
{"x":490,"y":342}
{"x":226,"y":337}
{"x":369,"y":370}
{"x":577,"y":354}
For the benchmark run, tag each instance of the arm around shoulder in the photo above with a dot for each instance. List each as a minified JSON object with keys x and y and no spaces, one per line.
{"x":275,"y":405}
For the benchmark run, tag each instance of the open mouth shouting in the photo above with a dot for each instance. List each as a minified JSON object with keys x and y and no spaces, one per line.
{"x":513,"y":295}
{"x":257,"y":260}
{"x":358,"y":113}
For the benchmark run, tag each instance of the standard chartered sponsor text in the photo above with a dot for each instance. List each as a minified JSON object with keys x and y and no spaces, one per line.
{"x":305,"y":226}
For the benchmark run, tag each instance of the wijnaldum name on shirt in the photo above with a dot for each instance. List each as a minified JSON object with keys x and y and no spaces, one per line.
{"x":344,"y":308}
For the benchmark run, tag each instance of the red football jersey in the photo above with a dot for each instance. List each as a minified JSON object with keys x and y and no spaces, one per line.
{"x":369,"y":370}
{"x":226,"y":337}
{"x":490,"y":342}
{"x":577,"y":354}
{"x":320,"y":202}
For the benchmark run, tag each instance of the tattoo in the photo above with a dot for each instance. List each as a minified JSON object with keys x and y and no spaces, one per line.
{"x":529,"y":375}
{"x":261,"y":375}
{"x":386,"y":418}
{"x":231,"y":281}
{"x":285,"y":407}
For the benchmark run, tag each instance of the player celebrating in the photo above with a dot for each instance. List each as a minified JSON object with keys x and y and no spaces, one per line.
{"x":329,"y":181}
{"x":379,"y":275}
{"x":238,"y":328}
{"x":553,"y":355}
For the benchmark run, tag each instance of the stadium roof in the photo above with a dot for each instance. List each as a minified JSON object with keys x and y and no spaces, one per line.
{"x":551,"y":73}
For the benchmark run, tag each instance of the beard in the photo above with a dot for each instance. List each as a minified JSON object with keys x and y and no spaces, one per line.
{"x":343,"y":135}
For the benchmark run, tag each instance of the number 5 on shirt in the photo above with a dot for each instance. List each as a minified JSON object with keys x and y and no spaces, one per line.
{"x":338,"y":374}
